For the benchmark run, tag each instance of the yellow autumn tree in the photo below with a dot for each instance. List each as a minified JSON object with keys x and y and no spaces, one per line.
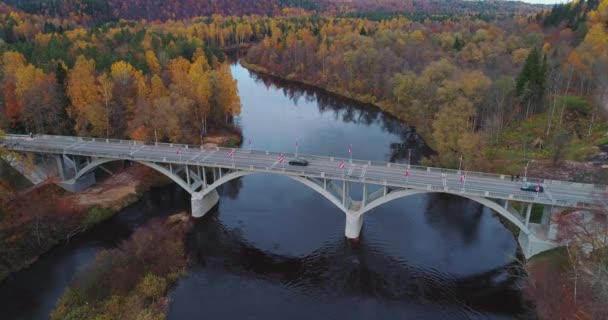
{"x":152,"y":62}
{"x":225,"y":92}
{"x":128,"y":87}
{"x":101,"y":123}
{"x":12,"y":62}
{"x":82,"y":91}
{"x":200,"y":92}
{"x":450,"y":125}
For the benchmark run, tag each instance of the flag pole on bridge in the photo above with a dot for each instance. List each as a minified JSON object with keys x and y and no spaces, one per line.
{"x":463,"y":179}
{"x":297,"y":145}
{"x":350,"y":151}
{"x":231,"y":156}
{"x":282,"y":160}
{"x":407,"y":175}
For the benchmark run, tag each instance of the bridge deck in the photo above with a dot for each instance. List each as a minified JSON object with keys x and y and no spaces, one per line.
{"x":560,"y":193}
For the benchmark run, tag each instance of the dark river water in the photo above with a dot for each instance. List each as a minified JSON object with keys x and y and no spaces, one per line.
{"x":275,"y":249}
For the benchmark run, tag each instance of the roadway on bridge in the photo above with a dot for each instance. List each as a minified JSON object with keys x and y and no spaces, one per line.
{"x":358,"y":170}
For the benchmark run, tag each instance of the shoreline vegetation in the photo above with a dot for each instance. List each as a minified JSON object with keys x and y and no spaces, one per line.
{"x":143,"y":268}
{"x":44,"y":216}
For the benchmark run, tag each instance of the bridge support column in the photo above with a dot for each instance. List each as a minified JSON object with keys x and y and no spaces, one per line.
{"x":77,"y":185}
{"x":60,"y":167}
{"x":354,"y":223}
{"x":528,"y":213}
{"x":201,"y":205}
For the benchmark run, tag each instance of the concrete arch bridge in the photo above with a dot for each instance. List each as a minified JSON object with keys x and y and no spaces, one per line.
{"x":200,"y":171}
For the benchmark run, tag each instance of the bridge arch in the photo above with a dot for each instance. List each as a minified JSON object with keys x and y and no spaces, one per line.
{"x":319,"y":189}
{"x":234,"y":175}
{"x":101,"y":161}
{"x":484,"y":201}
{"x":224,"y":179}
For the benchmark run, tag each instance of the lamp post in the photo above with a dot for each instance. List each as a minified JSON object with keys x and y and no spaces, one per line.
{"x":409,"y":157}
{"x":460,"y":164}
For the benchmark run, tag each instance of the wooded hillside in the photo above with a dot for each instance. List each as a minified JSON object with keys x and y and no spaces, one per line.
{"x":106,"y":10}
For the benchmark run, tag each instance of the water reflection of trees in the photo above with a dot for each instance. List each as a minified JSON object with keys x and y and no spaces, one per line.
{"x":350,"y":111}
{"x":454,"y":215}
{"x":339,"y":269}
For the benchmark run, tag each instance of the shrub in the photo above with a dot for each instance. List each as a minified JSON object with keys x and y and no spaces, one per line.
{"x":152,"y":287}
{"x":96,"y":215}
{"x":129,"y":281}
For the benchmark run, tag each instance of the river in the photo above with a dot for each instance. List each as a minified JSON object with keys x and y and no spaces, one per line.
{"x":274,"y":248}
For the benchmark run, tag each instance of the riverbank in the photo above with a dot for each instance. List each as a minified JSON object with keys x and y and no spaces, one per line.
{"x":36,"y":220}
{"x":142,"y":268}
{"x":364,"y":100}
{"x":550,"y":286}
{"x":226,"y":137}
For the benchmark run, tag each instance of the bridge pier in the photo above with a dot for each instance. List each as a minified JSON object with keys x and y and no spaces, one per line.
{"x":354,"y":223}
{"x":201,"y":205}
{"x":77,"y":185}
{"x":60,"y":167}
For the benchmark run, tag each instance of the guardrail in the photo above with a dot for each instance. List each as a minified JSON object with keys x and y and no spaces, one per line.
{"x":394,"y":182}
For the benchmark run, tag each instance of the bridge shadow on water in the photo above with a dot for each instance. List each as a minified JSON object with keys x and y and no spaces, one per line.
{"x":341,"y":268}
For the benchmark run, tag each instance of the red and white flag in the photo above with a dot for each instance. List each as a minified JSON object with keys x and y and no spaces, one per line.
{"x":462,"y":179}
{"x":538,"y":186}
{"x":350,"y":148}
{"x":281,"y":158}
{"x":231,"y":154}
{"x":407,"y":172}
{"x":342,"y":165}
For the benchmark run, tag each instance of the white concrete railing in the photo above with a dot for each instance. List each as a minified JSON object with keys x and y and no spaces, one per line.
{"x":393,"y":182}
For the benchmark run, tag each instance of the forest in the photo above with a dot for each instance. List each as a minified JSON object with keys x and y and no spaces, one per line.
{"x":122,"y":80}
{"x":99,"y":11}
{"x":467,"y":85}
{"x":496,"y":83}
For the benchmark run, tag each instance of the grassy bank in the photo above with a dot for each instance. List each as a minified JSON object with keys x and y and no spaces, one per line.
{"x":34,"y":221}
{"x":142,"y":269}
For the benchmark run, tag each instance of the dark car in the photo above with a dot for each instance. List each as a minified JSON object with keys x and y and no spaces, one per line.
{"x":531,"y":186}
{"x":298,"y":162}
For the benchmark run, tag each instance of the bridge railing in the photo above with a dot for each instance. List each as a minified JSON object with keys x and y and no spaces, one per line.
{"x":470,"y":189}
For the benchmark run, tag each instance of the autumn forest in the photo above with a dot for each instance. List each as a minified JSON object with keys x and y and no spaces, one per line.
{"x":490,"y":85}
{"x":467,"y":84}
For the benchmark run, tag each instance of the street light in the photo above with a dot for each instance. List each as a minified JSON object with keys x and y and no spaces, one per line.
{"x":460,"y":165}
{"x":409,"y":157}
{"x":296,"y":147}
{"x":526,"y":171}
